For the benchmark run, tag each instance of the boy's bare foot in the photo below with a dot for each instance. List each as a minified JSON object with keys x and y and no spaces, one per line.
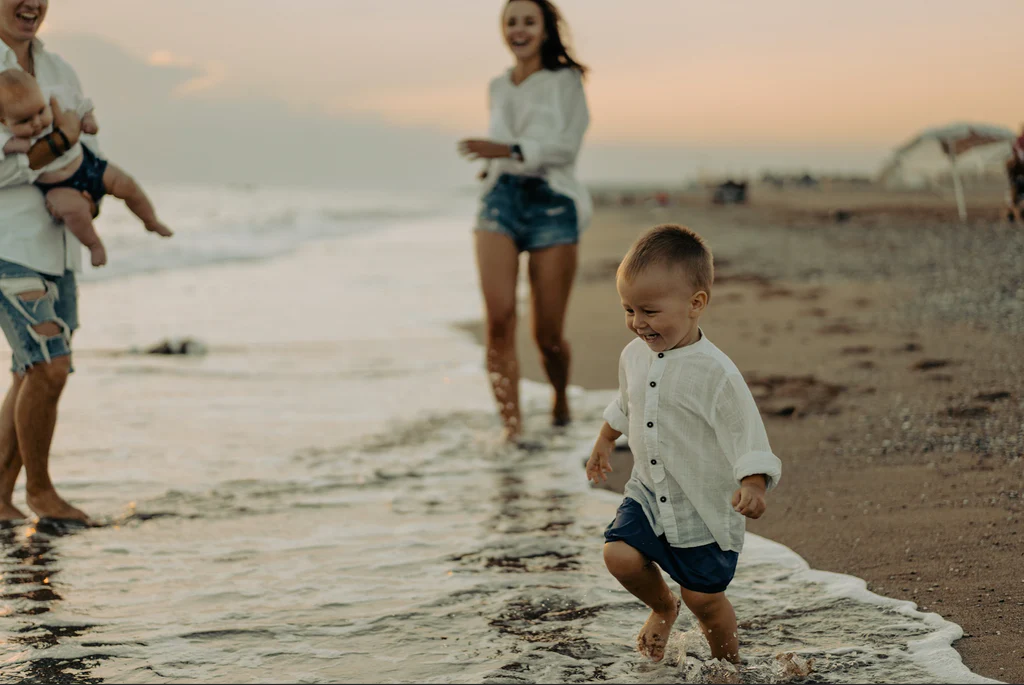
{"x":9,"y":512}
{"x":159,"y":229}
{"x":50,"y":505}
{"x":98,"y":254}
{"x":560,"y":414}
{"x":654,"y":635}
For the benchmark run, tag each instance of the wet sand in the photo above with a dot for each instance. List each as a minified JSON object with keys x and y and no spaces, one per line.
{"x":885,"y":353}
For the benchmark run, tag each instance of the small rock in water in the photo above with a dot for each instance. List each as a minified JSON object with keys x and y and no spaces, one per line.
{"x":793,"y":666}
{"x":183,"y":346}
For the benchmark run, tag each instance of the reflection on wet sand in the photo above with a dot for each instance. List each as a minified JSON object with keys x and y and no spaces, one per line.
{"x":29,"y":566}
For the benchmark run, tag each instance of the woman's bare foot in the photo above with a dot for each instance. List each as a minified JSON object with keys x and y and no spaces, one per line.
{"x":9,"y":512}
{"x":98,"y":253}
{"x":50,"y":505}
{"x":560,"y":414}
{"x":654,"y":635}
{"x":159,"y":229}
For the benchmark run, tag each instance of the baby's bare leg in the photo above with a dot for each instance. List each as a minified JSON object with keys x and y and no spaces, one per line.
{"x":68,"y":205}
{"x":123,"y":187}
{"x":717,"y":621}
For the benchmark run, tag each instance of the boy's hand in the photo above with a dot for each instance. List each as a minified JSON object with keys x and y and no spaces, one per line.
{"x":749,"y":499}
{"x":16,"y":146}
{"x":599,"y":465}
{"x":89,"y":124}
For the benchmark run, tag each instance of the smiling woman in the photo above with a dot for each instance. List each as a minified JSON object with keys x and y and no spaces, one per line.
{"x":531,"y":201}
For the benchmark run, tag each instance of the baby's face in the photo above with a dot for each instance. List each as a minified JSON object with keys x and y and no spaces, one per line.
{"x":28,"y":115}
{"x":662,"y":307}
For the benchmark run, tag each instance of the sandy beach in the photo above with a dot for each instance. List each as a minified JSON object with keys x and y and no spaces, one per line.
{"x":885,"y":353}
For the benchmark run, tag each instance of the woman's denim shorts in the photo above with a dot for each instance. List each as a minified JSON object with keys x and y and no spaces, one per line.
{"x":528,"y":211}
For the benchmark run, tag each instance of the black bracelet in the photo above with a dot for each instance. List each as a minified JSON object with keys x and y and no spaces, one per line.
{"x":64,"y":138}
{"x":53,"y":147}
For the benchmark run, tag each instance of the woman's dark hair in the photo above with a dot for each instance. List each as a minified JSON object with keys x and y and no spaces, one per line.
{"x":554,"y":53}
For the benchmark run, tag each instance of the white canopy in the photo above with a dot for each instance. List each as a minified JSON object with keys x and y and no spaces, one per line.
{"x":952,"y":141}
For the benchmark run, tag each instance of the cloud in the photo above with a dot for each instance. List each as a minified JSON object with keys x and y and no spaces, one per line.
{"x":162,"y":118}
{"x":211,"y":74}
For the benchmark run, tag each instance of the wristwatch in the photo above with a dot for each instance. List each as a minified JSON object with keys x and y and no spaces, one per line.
{"x":516,"y":152}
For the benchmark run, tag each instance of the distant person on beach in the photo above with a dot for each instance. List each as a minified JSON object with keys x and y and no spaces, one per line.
{"x":702,"y":461}
{"x":26,"y":117}
{"x":38,"y":291}
{"x":531,"y":200}
{"x":1015,"y":172}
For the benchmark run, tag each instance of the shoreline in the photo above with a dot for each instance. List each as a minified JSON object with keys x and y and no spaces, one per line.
{"x":898,"y":415}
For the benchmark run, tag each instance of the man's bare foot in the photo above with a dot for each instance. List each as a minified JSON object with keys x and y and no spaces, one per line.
{"x":9,"y":512}
{"x":560,"y":414}
{"x":654,"y":635}
{"x":50,"y":505}
{"x":98,"y":254}
{"x":159,"y":229}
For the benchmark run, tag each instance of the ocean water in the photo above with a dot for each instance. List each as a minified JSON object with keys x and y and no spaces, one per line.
{"x":321,"y":496}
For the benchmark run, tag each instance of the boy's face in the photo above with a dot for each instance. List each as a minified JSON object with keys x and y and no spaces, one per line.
{"x":27,"y":115}
{"x":662,"y":307}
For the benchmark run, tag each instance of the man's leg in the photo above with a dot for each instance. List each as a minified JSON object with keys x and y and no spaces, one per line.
{"x":35,"y":418}
{"x":10,"y":456}
{"x":37,"y":316}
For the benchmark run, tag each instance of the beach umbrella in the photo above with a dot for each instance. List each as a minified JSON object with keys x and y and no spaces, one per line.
{"x":953,"y":141}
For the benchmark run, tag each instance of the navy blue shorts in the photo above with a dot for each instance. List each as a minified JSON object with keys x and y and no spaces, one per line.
{"x":707,"y":569}
{"x":88,"y":177}
{"x":528,"y":211}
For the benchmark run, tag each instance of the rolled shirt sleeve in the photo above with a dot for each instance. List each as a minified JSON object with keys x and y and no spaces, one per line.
{"x":741,"y":433}
{"x":617,"y":413}
{"x":561,"y":142}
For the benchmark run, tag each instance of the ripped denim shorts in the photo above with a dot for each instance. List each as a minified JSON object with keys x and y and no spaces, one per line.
{"x":528,"y":211}
{"x":18,"y":315}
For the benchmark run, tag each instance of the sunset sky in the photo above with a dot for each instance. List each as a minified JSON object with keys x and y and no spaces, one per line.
{"x":837,"y":83}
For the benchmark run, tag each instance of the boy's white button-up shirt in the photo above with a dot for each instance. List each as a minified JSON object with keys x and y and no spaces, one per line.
{"x":695,"y":433}
{"x":547,"y":116}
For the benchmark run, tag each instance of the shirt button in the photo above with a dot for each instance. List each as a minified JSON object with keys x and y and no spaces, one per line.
{"x":661,"y":355}
{"x":650,"y":424}
{"x":654,"y":462}
{"x":664,"y":499}
{"x":653,"y":384}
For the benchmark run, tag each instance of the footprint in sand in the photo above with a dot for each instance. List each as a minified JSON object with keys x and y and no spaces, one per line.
{"x":993,"y":396}
{"x":967,"y":412}
{"x":929,"y":364}
{"x":857,"y":349}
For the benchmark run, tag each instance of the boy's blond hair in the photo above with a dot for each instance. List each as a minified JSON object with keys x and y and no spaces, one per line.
{"x":671,"y":245}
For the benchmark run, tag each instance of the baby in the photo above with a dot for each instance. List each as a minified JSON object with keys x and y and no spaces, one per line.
{"x":77,"y":172}
{"x":701,"y":455}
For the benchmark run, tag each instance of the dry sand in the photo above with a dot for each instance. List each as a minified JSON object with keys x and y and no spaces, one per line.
{"x":886,"y":354}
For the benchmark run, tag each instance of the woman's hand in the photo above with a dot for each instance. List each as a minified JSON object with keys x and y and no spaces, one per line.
{"x":483,"y":149}
{"x":67,"y":121}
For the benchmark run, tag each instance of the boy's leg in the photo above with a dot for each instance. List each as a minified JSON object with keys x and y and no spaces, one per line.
{"x":644,"y":581}
{"x":68,"y":205}
{"x":123,"y":187}
{"x":718,"y":622}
